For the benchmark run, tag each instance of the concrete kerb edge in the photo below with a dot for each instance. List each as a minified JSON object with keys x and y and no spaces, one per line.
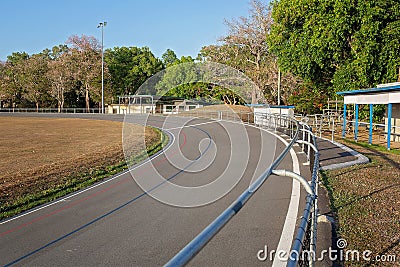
{"x":361,"y":159}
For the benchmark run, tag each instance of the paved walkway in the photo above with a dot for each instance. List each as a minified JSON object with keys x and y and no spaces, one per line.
{"x":335,"y":155}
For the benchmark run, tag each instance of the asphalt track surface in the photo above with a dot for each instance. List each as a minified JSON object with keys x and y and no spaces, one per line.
{"x":117,"y":223}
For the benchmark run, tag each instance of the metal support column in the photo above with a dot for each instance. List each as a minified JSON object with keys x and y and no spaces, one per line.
{"x":389,"y":129}
{"x":344,"y":121}
{"x":356,"y":125}
{"x":371,"y":112}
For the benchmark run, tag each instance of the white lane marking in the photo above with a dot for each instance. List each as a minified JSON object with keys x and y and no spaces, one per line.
{"x":286,"y":239}
{"x":285,"y":242}
{"x":104,"y":182}
{"x":294,"y":198}
{"x":191,"y":125}
{"x":93,"y":186}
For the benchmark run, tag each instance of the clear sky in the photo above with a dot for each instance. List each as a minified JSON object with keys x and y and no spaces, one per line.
{"x":181,"y":25}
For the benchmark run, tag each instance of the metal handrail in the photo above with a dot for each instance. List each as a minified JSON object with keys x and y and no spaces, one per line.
{"x":269,"y":121}
{"x":310,"y":213}
{"x":193,"y":247}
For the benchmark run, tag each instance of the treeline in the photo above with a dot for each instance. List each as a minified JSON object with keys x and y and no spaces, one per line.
{"x":296,"y":52}
{"x":321,"y":47}
{"x":336,"y":45}
{"x":70,"y":75}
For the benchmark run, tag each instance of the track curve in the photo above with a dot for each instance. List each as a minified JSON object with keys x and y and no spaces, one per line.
{"x":116,"y":222}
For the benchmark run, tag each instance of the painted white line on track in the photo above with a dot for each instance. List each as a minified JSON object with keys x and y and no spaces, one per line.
{"x":291,"y":216}
{"x":286,"y":239}
{"x":93,"y":186}
{"x":104,"y":182}
{"x":192,"y":125}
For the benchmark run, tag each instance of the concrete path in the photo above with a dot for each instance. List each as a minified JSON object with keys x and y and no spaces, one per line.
{"x":334,"y":155}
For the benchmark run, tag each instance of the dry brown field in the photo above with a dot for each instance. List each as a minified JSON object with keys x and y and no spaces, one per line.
{"x":41,"y":157}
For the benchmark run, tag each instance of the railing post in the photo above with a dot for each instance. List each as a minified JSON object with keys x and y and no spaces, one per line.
{"x":304,"y":136}
{"x":308,"y":153}
{"x":297,"y":177}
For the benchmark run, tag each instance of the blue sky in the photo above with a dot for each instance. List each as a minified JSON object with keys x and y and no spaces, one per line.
{"x":181,"y":25}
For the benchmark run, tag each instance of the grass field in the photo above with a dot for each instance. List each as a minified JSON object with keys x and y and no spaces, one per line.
{"x":42,"y":159}
{"x":365,"y":200}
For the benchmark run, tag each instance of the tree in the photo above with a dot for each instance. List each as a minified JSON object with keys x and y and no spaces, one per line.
{"x":338,"y":45}
{"x":86,"y":55}
{"x":12,"y":74}
{"x":179,"y":78}
{"x":34,"y":79}
{"x":188,"y":79}
{"x":169,"y":58}
{"x":245,"y":49}
{"x":130,"y":67}
{"x":60,"y":74}
{"x":4,"y":83}
{"x":56,"y":51}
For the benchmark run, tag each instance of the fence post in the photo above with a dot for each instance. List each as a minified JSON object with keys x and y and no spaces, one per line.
{"x":304,"y":136}
{"x":308,"y":150}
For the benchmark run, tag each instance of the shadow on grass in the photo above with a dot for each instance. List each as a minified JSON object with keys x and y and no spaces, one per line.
{"x":385,"y":252}
{"x":328,"y":183}
{"x":378,"y":151}
{"x":367,"y":196}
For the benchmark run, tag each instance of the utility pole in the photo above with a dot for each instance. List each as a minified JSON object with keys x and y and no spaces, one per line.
{"x":279,"y":86}
{"x":102,"y":25}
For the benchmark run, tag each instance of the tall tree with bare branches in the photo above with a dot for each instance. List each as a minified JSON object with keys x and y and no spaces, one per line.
{"x":60,"y":74}
{"x":86,"y":54}
{"x":245,"y":48}
{"x":36,"y":83}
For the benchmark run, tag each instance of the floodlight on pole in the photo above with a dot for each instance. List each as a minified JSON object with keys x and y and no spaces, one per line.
{"x":102,"y":25}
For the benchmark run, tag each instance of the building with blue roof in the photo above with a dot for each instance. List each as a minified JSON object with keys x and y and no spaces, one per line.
{"x":388,"y":94}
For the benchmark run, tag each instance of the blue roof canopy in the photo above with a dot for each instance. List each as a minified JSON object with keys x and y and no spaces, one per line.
{"x":370,"y":90}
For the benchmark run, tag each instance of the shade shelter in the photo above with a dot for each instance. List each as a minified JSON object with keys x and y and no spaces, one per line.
{"x":388,"y":94}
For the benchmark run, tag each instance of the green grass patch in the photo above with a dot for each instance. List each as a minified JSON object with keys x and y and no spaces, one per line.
{"x":364,"y":199}
{"x":373,"y":146}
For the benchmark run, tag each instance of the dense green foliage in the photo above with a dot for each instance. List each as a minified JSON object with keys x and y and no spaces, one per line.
{"x":130,"y":67}
{"x":183,"y":79}
{"x":318,"y":47}
{"x":70,"y":75}
{"x":338,"y":45}
{"x":169,"y":58}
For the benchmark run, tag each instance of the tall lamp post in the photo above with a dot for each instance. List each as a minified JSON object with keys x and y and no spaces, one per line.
{"x":102,"y":25}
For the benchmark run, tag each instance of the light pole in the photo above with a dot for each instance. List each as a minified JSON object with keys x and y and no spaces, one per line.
{"x":102,"y":25}
{"x":279,"y":86}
